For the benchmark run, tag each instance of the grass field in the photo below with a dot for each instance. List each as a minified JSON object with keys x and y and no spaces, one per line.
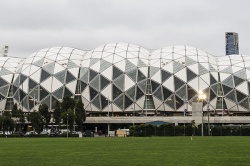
{"x":125,"y":151}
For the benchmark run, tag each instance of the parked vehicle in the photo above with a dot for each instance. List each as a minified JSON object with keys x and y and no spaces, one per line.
{"x":31,"y":132}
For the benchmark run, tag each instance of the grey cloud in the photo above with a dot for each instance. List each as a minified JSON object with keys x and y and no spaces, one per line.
{"x":28,"y":25}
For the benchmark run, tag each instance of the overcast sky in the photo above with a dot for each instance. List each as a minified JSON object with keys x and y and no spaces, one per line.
{"x":27,"y":25}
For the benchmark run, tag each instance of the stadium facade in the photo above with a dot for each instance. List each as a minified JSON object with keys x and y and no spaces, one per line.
{"x":121,"y":79}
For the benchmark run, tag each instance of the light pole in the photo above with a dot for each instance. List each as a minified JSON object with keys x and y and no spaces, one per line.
{"x":74,"y":119}
{"x":202,"y":97}
{"x":67,"y":125}
{"x":108,"y":115}
{"x":1,"y":106}
{"x":208,"y":116}
{"x":185,"y":112}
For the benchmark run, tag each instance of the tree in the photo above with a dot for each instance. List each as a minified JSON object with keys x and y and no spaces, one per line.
{"x":7,"y":123}
{"x":68,"y":118}
{"x":36,"y":120}
{"x":67,"y":103}
{"x":21,"y":119}
{"x":44,"y":111}
{"x":15,"y":111}
{"x":80,"y":114}
{"x":57,"y":113}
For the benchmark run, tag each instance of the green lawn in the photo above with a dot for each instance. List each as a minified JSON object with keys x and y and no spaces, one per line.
{"x":155,"y":151}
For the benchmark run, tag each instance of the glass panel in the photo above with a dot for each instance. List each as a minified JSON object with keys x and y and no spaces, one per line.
{"x":32,"y":84}
{"x":22,"y":94}
{"x":155,"y":85}
{"x":83,"y":86}
{"x":178,"y":83}
{"x":43,"y":93}
{"x":245,"y":103}
{"x":104,"y":65}
{"x":214,"y":88}
{"x":93,"y":61}
{"x":95,"y":83}
{"x":148,"y":103}
{"x":177,"y":66}
{"x":58,"y":93}
{"x":190,"y":75}
{"x":241,"y":74}
{"x":212,"y":80}
{"x":142,"y":85}
{"x":85,"y":77}
{"x":240,"y":96}
{"x":202,"y":70}
{"x":141,"y":63}
{"x":69,"y":77}
{"x":61,"y":76}
{"x":139,"y":93}
{"x":166,"y":93}
{"x":116,"y":72}
{"x":153,"y":70}
{"x":128,"y":102}
{"x":44,"y":75}
{"x":131,"y":92}
{"x":92,"y":74}
{"x":4,"y":90}
{"x":104,"y":82}
{"x":16,"y":96}
{"x":49,"y":68}
{"x":14,"y":90}
{"x":231,"y":96}
{"x":67,"y":92}
{"x":228,"y":81}
{"x":96,"y":102}
{"x":119,"y":102}
{"x":182,"y":92}
{"x":164,"y":75}
{"x":71,"y":65}
{"x":191,"y":93}
{"x":129,"y":65}
{"x":237,"y":80}
{"x":226,"y":89}
{"x":132,"y":74}
{"x":116,"y":92}
{"x":140,"y":76}
{"x":212,"y":95}
{"x":46,"y":101}
{"x":119,"y":82}
{"x":3,"y":82}
{"x":158,"y":93}
{"x":104,"y":102}
{"x":170,"y":101}
{"x":93,"y":93}
{"x":179,"y":102}
{"x":23,"y":77}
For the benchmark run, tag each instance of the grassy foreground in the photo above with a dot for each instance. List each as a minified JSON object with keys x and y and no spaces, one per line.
{"x":125,"y":151}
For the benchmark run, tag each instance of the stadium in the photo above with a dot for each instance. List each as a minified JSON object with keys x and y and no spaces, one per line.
{"x":124,"y":80}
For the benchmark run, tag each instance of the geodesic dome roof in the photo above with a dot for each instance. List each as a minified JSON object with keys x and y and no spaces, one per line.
{"x":234,"y":76}
{"x":122,"y":77}
{"x":47,"y":75}
{"x":178,"y":73}
{"x":115,"y":72}
{"x":8,"y":67}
